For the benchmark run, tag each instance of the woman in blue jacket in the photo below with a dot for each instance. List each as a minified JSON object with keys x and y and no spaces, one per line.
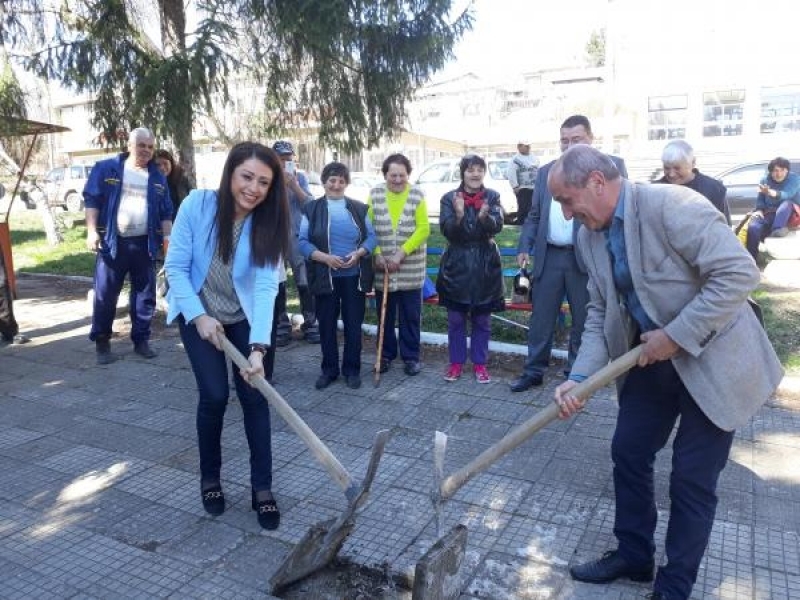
{"x":778,"y":193}
{"x":222,"y":267}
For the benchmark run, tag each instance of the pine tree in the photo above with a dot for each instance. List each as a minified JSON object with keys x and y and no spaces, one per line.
{"x":347,"y":67}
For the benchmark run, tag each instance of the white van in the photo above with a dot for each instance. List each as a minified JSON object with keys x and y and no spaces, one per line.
{"x":442,"y":176}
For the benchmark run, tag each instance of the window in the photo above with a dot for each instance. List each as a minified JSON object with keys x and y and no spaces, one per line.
{"x":722,"y":113}
{"x":435,"y":174}
{"x":749,"y":175}
{"x":497,"y":169}
{"x":666,"y":117}
{"x":780,"y":109}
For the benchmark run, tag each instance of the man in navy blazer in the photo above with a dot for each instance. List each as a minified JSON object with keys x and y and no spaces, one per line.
{"x":665,"y":273}
{"x":557,"y":270}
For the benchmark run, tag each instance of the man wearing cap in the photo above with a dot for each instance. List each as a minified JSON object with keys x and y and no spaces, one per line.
{"x":298,"y":193}
{"x":521,"y":175}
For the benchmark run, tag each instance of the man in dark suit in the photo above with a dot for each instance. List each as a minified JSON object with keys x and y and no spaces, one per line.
{"x":557,"y":270}
{"x":666,"y":273}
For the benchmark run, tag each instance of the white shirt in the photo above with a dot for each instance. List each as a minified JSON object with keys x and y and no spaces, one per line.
{"x":559,"y":230}
{"x":132,"y":213}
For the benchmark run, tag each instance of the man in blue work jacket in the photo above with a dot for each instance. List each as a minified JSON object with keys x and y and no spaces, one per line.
{"x":128,"y":217}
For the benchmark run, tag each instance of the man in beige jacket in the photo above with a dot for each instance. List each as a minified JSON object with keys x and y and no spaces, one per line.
{"x":666,"y":272}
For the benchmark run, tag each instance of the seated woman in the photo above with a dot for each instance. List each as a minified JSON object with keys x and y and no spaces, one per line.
{"x":222,"y":266}
{"x":337,"y":239}
{"x":778,"y":193}
{"x":470,"y":280}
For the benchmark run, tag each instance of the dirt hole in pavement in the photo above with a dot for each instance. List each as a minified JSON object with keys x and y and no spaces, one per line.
{"x":346,"y":581}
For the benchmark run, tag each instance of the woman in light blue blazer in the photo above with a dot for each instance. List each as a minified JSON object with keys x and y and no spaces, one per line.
{"x":222,"y":268}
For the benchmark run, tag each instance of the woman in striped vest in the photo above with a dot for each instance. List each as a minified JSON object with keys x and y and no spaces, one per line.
{"x":400,"y":217}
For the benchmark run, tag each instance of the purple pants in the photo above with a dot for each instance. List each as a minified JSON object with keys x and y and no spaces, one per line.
{"x":457,"y":336}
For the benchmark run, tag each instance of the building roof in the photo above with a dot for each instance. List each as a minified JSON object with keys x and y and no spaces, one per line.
{"x":13,"y":127}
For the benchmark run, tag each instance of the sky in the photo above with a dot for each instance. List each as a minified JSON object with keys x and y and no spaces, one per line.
{"x":510,"y":36}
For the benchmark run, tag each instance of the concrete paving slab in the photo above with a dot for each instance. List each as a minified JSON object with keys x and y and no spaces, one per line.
{"x":99,"y":490}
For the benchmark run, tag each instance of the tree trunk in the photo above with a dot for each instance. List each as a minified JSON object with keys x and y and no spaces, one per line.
{"x":179,"y":103}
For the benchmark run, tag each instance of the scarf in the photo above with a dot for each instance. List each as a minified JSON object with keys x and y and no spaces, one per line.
{"x":474,"y":200}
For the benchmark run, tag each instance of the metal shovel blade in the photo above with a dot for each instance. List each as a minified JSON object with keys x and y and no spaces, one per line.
{"x":320,"y":545}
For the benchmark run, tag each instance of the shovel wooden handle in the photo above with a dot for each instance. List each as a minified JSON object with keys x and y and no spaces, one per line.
{"x":524,"y":431}
{"x":317,"y":446}
{"x":381,"y":325}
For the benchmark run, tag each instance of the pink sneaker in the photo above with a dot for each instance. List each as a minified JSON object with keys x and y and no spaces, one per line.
{"x":453,"y":372}
{"x":481,"y":374}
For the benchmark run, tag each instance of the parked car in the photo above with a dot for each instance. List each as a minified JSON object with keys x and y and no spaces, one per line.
{"x":742,"y":183}
{"x":360,"y":185}
{"x":438,"y":178}
{"x":63,"y":186}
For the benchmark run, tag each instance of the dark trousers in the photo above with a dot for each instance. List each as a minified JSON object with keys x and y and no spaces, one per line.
{"x":347,"y":300}
{"x":405,"y":308}
{"x":211,"y":373}
{"x":560,"y":277}
{"x":758,"y":229}
{"x":650,"y":403}
{"x":280,"y":309}
{"x":524,"y":199}
{"x":133,"y":258}
{"x":307,"y":308}
{"x":8,"y":324}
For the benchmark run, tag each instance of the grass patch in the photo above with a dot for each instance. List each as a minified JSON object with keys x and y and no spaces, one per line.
{"x":33,"y":254}
{"x":782,"y":320}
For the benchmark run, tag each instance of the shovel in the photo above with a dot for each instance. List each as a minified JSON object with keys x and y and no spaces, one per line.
{"x":382,"y":325}
{"x":324,"y":540}
{"x":444,"y":489}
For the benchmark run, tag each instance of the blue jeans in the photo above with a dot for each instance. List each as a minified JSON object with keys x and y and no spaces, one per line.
{"x":133,"y":257}
{"x":211,"y":373}
{"x":348,"y":300}
{"x":758,"y":229}
{"x":650,"y":403}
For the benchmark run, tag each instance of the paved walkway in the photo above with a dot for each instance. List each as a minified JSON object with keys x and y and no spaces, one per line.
{"x":99,"y":478}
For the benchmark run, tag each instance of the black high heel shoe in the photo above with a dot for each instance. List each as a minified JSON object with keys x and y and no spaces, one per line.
{"x":269,"y":517}
{"x":213,"y":500}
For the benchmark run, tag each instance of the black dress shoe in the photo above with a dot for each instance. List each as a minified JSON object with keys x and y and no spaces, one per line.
{"x":353,"y":381}
{"x":144,"y":350}
{"x":656,"y":596}
{"x":609,"y":567}
{"x":412,"y":368}
{"x":523,"y":382}
{"x":213,"y":500}
{"x":269,"y":517}
{"x":385,"y":364}
{"x":324,"y":381}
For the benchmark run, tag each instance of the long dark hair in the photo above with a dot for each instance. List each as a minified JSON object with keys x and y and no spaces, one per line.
{"x":175,"y":172}
{"x":269,"y":236}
